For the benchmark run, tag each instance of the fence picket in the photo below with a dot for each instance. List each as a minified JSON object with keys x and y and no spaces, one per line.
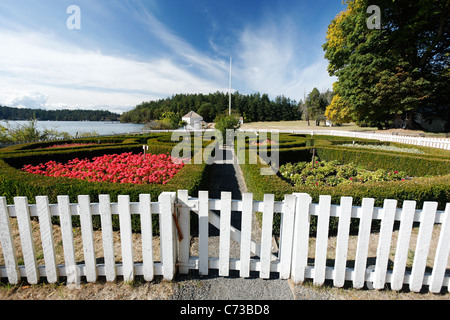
{"x":84,"y":206}
{"x":384,"y":243}
{"x":287,"y":232}
{"x":126,"y":237}
{"x":65,"y":216}
{"x":404,"y":236}
{"x":442,"y":252}
{"x":246,"y":234}
{"x":45,"y":224}
{"x":9,"y":250}
{"x":266,"y":237}
{"x":225,"y":223}
{"x":363,"y":243}
{"x":107,"y":236}
{"x":145,"y":210}
{"x":203,"y":225}
{"x":301,"y":237}
{"x":166,"y":200}
{"x":323,"y":224}
{"x":345,"y":212}
{"x":423,"y":244}
{"x":26,"y":239}
{"x":185,"y":226}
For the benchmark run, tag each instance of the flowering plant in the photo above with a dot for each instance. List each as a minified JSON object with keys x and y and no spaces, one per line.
{"x":118,"y":168}
{"x":334,"y":173}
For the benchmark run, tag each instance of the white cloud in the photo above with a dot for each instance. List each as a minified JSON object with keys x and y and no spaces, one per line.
{"x":43,"y":71}
{"x":275,"y":59}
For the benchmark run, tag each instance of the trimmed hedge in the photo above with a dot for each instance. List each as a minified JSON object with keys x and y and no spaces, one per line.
{"x":431,"y":182}
{"x":15,"y":182}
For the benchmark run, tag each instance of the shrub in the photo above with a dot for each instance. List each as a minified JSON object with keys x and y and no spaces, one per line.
{"x":15,"y":182}
{"x":431,"y":171}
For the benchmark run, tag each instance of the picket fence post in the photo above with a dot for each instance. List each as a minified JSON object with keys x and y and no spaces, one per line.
{"x":323,"y":225}
{"x":442,"y":252}
{"x":26,"y":239}
{"x":126,"y":239}
{"x":145,"y":211}
{"x":203,"y":225}
{"x":362,"y":246}
{"x":167,"y":229}
{"x":301,"y":237}
{"x":225,"y":224}
{"x":185,"y":226}
{"x":46,"y":228}
{"x":84,"y":206}
{"x":247,"y":213}
{"x":404,"y":236}
{"x":107,"y":236}
{"x":345,"y":212}
{"x":266,"y":237}
{"x":8,"y":248}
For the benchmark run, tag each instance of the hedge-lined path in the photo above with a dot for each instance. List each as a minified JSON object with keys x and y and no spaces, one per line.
{"x":227,"y":176}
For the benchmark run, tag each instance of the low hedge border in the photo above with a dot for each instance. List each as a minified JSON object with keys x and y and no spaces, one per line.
{"x":15,"y":182}
{"x":420,"y":189}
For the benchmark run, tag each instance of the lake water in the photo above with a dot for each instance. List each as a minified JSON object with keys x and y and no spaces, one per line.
{"x":72,"y":127}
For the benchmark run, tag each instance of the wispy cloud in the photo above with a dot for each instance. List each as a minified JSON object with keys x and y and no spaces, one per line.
{"x":37,"y":61}
{"x":275,"y":58}
{"x":181,"y":50}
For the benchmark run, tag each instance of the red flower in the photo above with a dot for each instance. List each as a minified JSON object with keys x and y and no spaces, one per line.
{"x":122,"y":168}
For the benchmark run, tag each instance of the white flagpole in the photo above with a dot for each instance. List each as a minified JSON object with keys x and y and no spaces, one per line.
{"x":230,"y":89}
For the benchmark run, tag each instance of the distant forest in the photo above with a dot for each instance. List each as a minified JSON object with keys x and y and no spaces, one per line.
{"x":10,"y":113}
{"x":253,"y":107}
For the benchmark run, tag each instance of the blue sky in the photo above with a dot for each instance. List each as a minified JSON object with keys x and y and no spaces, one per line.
{"x":129,"y":51}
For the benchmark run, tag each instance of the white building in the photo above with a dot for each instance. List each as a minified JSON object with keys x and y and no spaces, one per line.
{"x":193,"y":121}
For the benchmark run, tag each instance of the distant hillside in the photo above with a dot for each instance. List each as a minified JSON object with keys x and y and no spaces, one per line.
{"x":253,"y":107}
{"x":9,"y":113}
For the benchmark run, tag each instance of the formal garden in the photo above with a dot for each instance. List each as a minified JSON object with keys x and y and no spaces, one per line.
{"x":341,"y":166}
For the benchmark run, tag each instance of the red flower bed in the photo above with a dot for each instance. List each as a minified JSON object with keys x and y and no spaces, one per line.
{"x":118,"y":168}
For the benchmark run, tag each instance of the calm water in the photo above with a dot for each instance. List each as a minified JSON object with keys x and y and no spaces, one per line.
{"x":72,"y":127}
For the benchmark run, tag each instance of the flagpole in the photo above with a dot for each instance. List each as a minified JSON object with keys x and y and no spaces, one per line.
{"x":230,"y":89}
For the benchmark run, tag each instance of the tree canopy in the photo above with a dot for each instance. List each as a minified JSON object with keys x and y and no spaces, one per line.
{"x":10,"y":113}
{"x":387,"y":75}
{"x":252,"y":107}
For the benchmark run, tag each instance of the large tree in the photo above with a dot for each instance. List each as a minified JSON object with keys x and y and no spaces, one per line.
{"x":387,"y":74}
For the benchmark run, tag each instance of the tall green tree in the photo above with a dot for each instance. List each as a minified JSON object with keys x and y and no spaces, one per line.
{"x":386,"y":75}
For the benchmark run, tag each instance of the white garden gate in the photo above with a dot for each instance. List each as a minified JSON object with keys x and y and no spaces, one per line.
{"x":292,"y":258}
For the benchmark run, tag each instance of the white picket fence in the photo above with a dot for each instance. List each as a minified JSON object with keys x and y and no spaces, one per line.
{"x":174,"y":211}
{"x":440,"y":143}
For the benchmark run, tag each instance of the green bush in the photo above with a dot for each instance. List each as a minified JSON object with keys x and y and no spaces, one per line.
{"x":432,"y":172}
{"x":15,"y":182}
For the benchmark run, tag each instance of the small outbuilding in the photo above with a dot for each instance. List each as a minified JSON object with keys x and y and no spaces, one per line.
{"x":193,"y":121}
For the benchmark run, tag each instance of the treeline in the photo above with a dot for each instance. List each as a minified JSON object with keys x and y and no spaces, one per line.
{"x":253,"y":107}
{"x":10,"y":113}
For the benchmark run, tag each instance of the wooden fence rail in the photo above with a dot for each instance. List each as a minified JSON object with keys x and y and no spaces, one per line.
{"x":292,"y":259}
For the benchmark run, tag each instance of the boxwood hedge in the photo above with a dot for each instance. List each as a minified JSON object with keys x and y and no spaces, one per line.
{"x":431,"y":171}
{"x":15,"y":182}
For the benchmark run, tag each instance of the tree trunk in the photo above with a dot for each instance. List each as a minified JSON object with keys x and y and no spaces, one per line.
{"x":409,"y":121}
{"x":398,"y":121}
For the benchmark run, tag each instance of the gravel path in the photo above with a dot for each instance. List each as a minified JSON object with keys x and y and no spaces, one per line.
{"x":228,"y":177}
